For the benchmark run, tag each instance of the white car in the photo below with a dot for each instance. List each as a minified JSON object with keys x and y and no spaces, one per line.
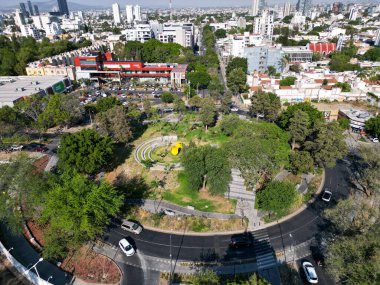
{"x":126,"y":247}
{"x":234,"y":109}
{"x":327,"y":195}
{"x":131,"y":227}
{"x":375,"y":140}
{"x":169,"y":212}
{"x":310,"y":273}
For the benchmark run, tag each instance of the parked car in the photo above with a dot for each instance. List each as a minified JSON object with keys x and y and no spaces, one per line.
{"x":168,"y":110}
{"x":132,"y":227}
{"x":375,"y":140}
{"x":41,"y":149}
{"x":327,"y":195}
{"x":241,"y":240}
{"x":310,"y":273}
{"x":16,"y":147}
{"x":126,"y":247}
{"x":234,"y":109}
{"x":168,"y":212}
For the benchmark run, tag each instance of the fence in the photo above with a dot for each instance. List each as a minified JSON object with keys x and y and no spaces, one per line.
{"x":32,"y":277}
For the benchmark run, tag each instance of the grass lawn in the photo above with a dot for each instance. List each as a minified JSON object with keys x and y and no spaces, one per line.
{"x":183,"y":196}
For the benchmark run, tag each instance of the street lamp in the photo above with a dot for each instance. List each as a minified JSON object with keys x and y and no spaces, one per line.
{"x":50,"y":277}
{"x":34,"y":266}
{"x":9,"y":250}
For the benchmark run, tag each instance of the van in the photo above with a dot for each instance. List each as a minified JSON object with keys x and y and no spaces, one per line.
{"x":132,"y":227}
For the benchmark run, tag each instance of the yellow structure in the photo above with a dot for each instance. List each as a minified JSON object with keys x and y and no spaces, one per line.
{"x":176,"y":149}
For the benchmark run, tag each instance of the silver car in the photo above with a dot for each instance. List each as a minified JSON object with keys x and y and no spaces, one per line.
{"x":310,"y":273}
{"x":131,"y":227}
{"x":126,"y":247}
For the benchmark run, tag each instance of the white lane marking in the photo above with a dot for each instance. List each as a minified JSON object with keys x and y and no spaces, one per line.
{"x":293,"y":231}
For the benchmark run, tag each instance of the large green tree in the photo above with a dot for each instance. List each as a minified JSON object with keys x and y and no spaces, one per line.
{"x":328,"y":144}
{"x":207,"y":166}
{"x":208,"y":112}
{"x":237,"y":62}
{"x":315,"y":116}
{"x":299,"y":127}
{"x":106,"y":103}
{"x":372,"y":126}
{"x":85,"y":151}
{"x":167,"y":97}
{"x":115,"y":124}
{"x":301,"y":162}
{"x":236,"y":80}
{"x":199,"y":79}
{"x":276,"y":197}
{"x":265,"y":103}
{"x":77,"y":210}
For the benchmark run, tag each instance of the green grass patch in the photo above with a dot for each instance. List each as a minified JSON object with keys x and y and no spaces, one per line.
{"x":183,"y":196}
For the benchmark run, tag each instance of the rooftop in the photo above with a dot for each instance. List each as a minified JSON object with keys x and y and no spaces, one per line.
{"x":14,"y":87}
{"x":357,"y":115}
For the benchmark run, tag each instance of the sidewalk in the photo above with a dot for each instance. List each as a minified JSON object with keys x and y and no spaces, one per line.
{"x":27,"y":256}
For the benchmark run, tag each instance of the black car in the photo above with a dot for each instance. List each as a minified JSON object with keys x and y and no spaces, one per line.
{"x":241,"y":240}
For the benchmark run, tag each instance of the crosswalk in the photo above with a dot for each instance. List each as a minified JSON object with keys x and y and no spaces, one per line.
{"x":265,"y":257}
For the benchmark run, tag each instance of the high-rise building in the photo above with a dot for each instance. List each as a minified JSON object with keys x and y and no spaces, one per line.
{"x":19,"y":18}
{"x":304,"y":6}
{"x":116,"y":13}
{"x":23,"y":9}
{"x":129,"y":11}
{"x":262,"y":4}
{"x":63,"y":8}
{"x":255,"y":8}
{"x":137,"y":12}
{"x":287,"y":9}
{"x":264,"y":24}
{"x":353,"y":14}
{"x":377,"y":39}
{"x":36,"y":10}
{"x":30,"y":8}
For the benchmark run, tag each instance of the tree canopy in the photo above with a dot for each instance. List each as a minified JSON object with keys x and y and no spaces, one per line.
{"x":84,"y":151}
{"x":265,"y":103}
{"x":372,"y":126}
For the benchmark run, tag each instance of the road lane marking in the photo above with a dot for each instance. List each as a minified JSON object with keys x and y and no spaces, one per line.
{"x":293,"y":231}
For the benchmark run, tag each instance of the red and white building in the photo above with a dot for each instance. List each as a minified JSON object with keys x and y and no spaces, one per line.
{"x":102,"y":65}
{"x":322,"y":48}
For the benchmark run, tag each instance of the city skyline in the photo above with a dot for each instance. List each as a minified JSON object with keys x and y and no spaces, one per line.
{"x":179,"y":4}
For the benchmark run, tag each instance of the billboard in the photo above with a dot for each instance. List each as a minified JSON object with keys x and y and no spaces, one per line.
{"x":59,"y":87}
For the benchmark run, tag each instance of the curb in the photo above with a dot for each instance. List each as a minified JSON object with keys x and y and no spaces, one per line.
{"x":302,"y":208}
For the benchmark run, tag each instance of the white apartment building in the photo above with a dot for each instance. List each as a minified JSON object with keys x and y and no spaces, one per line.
{"x":263,"y":25}
{"x":180,"y":33}
{"x":71,"y":24}
{"x":30,"y":31}
{"x":234,"y":45}
{"x":19,"y":18}
{"x":129,"y":13}
{"x":141,"y":33}
{"x":377,"y":38}
{"x":353,"y":14}
{"x":116,"y":13}
{"x":298,"y":19}
{"x":48,"y":23}
{"x":255,"y":8}
{"x":287,"y":9}
{"x":137,"y":12}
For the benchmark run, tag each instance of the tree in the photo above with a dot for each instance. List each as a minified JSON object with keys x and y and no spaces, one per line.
{"x":236,"y":80}
{"x":355,"y":259}
{"x":206,"y":166}
{"x":369,"y":170}
{"x":328,"y":144}
{"x":316,"y":56}
{"x":299,"y":127}
{"x":236,"y":63}
{"x":115,"y":124}
{"x":106,"y":103}
{"x":254,"y":279}
{"x":344,"y":86}
{"x":195,"y":101}
{"x":208,"y":277}
{"x":372,"y":54}
{"x":199,"y":79}
{"x":229,"y":124}
{"x":288,"y":81}
{"x":208,"y":112}
{"x":179,"y":105}
{"x":315,"y":116}
{"x":84,"y":151}
{"x":147,"y":107}
{"x":276,"y":197}
{"x":344,"y":123}
{"x":226,"y":102}
{"x":372,"y":126}
{"x":220,"y":33}
{"x":77,"y":210}
{"x":265,"y":103}
{"x":271,"y":70}
{"x":301,"y":162}
{"x":295,"y":68}
{"x":167,"y":97}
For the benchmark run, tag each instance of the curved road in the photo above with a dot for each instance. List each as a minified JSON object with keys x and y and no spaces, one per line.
{"x":302,"y":227}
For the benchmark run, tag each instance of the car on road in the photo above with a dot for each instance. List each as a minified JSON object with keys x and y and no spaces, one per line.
{"x":132,"y":227}
{"x":16,"y":147}
{"x":326,"y":196}
{"x":310,"y":273}
{"x":234,"y":109}
{"x":168,"y":110}
{"x":126,"y":247}
{"x":168,"y":212}
{"x":375,"y":140}
{"x":241,"y":240}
